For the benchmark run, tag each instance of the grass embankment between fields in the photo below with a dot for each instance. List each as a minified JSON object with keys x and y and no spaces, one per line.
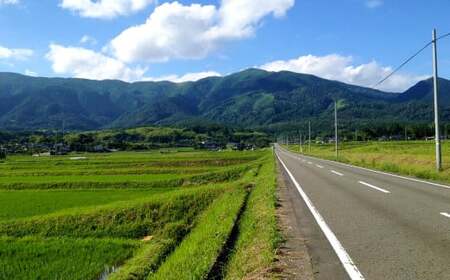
{"x":410,"y":158}
{"x":123,"y":182}
{"x":125,"y":219}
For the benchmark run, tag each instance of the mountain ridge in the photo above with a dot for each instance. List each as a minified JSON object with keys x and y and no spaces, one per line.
{"x":250,"y":98}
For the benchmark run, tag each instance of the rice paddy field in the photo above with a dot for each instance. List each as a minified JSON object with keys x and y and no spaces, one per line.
{"x":130,"y":215}
{"x":411,"y":158}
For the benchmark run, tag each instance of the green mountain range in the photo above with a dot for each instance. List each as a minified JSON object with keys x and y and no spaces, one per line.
{"x":251,"y":98}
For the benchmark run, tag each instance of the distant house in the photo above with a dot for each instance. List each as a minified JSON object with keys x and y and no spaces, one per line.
{"x":99,"y":149}
{"x":60,"y":149}
{"x":210,"y":145}
{"x":235,"y":146}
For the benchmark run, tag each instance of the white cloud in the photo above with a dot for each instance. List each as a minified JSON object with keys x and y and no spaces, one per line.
{"x":340,"y":68}
{"x":105,"y":9}
{"x":9,"y":2}
{"x":30,"y":73}
{"x":189,"y":77}
{"x":84,"y":63}
{"x":86,"y":39}
{"x":374,"y":3}
{"x":175,"y":30}
{"x":18,"y":54}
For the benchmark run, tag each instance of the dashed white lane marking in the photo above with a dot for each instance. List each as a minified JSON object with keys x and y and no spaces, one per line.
{"x":445,"y":214}
{"x":374,"y":171}
{"x":309,"y":162}
{"x":337,"y":173}
{"x":352,"y":271}
{"x":319,"y":166}
{"x":374,"y":187}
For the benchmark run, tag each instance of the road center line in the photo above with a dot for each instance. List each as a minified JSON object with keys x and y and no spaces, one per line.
{"x":445,"y":214}
{"x":374,"y":187}
{"x":320,"y":166}
{"x":352,"y":271}
{"x":337,"y":173}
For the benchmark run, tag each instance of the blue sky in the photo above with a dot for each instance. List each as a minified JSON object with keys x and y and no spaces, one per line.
{"x":355,"y":41}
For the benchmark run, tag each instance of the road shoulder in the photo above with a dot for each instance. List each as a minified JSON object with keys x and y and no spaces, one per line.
{"x":294,"y":261}
{"x":310,"y":255}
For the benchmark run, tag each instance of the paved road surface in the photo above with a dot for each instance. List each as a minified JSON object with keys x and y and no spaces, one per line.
{"x":378,"y":226}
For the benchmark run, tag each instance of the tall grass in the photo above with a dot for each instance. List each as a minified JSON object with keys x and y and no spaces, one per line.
{"x":258,"y":238}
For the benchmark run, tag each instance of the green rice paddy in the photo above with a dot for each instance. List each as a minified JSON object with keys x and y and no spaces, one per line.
{"x":130,"y":215}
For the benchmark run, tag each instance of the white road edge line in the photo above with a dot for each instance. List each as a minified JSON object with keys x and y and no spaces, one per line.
{"x":445,"y":214}
{"x":374,"y":187}
{"x":319,"y":166}
{"x":337,"y":173}
{"x":375,"y":171}
{"x":352,"y":271}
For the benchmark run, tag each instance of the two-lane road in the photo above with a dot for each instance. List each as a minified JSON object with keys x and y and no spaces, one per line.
{"x":380,"y":226}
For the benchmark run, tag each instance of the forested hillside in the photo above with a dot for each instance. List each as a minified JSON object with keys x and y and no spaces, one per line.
{"x":251,"y":99}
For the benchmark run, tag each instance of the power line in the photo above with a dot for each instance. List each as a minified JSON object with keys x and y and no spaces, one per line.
{"x":443,"y":36}
{"x":409,"y":59}
{"x":403,"y":64}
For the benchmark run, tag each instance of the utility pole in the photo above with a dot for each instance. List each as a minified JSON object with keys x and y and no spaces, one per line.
{"x":309,"y":137}
{"x":406,"y":134}
{"x":336,"y":141}
{"x":301,"y":142}
{"x":436,"y":104}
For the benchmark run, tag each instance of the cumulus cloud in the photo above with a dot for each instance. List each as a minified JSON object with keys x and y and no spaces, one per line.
{"x":175,"y":30}
{"x":84,"y":63}
{"x":9,"y":2}
{"x":374,"y":3}
{"x":341,"y":68}
{"x":189,"y":77}
{"x":18,"y":54}
{"x":104,"y":9}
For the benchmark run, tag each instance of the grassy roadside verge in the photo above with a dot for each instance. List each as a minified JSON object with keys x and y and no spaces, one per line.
{"x":255,"y":247}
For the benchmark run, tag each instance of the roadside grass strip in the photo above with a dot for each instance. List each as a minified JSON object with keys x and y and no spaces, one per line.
{"x":198,"y":252}
{"x":256,"y":245}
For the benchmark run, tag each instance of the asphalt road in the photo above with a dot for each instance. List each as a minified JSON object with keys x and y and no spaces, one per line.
{"x":378,"y":226}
